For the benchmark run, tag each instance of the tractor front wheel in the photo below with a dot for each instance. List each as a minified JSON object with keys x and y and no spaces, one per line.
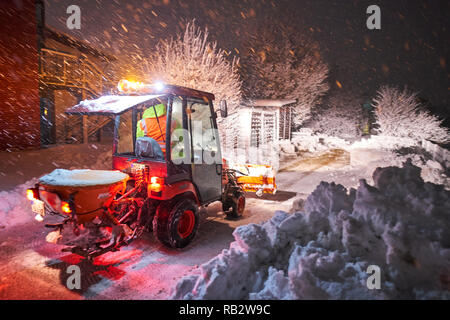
{"x":236,"y":204}
{"x":176,"y":223}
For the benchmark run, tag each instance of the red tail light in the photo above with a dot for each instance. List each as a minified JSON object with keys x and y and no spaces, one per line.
{"x":32,"y":194}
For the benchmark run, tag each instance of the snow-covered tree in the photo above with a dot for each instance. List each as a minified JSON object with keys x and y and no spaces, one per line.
{"x":284,"y":64}
{"x":400,"y":114}
{"x":340,"y":115}
{"x":193,"y":61}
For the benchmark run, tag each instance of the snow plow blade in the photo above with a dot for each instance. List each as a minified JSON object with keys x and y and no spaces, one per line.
{"x":260,"y":178}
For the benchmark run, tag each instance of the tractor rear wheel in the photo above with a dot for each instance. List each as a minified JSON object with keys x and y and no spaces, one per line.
{"x":176,"y":222}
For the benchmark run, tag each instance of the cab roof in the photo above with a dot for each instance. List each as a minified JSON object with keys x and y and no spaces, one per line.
{"x":110,"y":105}
{"x":117,"y":104}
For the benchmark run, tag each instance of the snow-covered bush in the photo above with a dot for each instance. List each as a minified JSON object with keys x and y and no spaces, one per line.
{"x":341,"y":115}
{"x":284,"y":65}
{"x":400,"y":114}
{"x":193,"y":61}
{"x":401,"y":225}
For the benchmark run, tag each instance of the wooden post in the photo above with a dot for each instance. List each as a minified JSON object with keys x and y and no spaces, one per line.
{"x":84,"y":120}
{"x":64,"y":71}
{"x":85,"y":130}
{"x":289,"y":128}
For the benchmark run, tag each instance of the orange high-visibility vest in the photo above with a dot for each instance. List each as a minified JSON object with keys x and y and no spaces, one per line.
{"x":151,"y":129}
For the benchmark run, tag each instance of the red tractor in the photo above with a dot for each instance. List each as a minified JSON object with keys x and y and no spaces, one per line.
{"x":156,"y":184}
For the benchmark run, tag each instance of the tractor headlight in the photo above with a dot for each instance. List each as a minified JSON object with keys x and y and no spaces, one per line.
{"x":159,"y":86}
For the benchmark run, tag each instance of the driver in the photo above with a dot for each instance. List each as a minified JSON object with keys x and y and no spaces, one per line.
{"x":153,"y":125}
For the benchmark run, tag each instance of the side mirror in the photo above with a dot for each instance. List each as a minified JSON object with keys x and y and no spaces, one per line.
{"x":223,"y":108}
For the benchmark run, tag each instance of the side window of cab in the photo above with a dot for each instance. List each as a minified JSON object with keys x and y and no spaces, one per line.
{"x":205,"y":142}
{"x":179,"y":137}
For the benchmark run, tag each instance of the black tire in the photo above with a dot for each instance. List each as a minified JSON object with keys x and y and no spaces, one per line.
{"x":226,"y":205}
{"x":176,"y":223}
{"x":237,"y":205}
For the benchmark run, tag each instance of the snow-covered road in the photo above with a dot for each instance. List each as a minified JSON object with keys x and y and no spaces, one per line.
{"x":30,"y":268}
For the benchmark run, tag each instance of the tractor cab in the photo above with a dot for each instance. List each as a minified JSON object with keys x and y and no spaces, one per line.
{"x":166,"y":135}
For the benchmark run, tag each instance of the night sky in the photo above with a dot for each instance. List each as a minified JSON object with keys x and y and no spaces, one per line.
{"x":410,"y":49}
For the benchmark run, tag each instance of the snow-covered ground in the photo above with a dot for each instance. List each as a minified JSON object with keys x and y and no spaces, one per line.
{"x":333,"y":159}
{"x":396,"y":219}
{"x":400,"y":225}
{"x":143,"y":270}
{"x":317,"y":243}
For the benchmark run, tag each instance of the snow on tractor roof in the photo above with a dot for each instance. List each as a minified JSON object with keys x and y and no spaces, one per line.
{"x":82,"y":177}
{"x":114,"y":104}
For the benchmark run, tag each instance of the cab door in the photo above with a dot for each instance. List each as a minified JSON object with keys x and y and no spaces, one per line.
{"x":206,"y":157}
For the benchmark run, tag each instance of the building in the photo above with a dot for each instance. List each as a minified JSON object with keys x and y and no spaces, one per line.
{"x":69,"y":71}
{"x":43,"y":72}
{"x":257,"y":128}
{"x":19,"y":77}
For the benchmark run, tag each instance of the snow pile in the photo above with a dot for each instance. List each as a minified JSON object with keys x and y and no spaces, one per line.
{"x":401,"y":225}
{"x":82,"y":177}
{"x":305,"y":140}
{"x":371,"y":158}
{"x":286,"y":147}
{"x":15,"y":208}
{"x":433,"y":172}
{"x":377,"y":151}
{"x":383,"y":142}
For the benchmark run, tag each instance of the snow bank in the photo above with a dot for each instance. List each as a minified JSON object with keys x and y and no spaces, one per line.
{"x":369,"y":159}
{"x":82,"y":177}
{"x":383,"y":142}
{"x":305,"y":140}
{"x":400,"y":224}
{"x":15,"y":208}
{"x":368,"y":154}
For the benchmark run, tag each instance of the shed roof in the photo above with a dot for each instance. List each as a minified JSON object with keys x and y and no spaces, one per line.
{"x":270,"y":102}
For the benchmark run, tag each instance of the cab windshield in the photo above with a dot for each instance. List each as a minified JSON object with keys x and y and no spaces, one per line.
{"x":145,"y":123}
